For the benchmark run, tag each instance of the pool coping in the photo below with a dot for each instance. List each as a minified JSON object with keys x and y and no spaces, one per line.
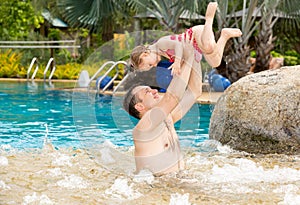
{"x":206,"y":97}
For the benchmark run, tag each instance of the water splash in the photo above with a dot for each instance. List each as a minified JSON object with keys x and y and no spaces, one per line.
{"x":3,"y":161}
{"x":144,"y":176}
{"x":46,"y":135}
{"x":73,"y":182}
{"x":179,"y":199}
{"x":121,"y":190}
{"x":36,"y":199}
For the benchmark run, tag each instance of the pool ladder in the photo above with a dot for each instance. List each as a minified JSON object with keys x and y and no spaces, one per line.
{"x":113,"y":67}
{"x":34,"y":61}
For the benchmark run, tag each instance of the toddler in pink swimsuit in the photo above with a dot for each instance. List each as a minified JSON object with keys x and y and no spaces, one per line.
{"x":201,"y":37}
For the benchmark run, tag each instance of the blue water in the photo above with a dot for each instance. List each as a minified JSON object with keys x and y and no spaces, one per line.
{"x":77,"y":119}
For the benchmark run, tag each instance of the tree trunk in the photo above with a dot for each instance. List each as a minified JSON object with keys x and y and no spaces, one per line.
{"x":107,"y":35}
{"x":237,"y":63}
{"x":264,"y":45}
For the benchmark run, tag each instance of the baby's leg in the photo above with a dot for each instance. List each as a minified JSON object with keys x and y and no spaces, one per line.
{"x":205,"y":37}
{"x":214,"y":58}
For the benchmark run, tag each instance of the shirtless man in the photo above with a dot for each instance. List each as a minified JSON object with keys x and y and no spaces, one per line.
{"x":156,"y":142}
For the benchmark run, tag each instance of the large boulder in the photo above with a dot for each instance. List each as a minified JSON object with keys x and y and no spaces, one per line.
{"x":260,"y":113}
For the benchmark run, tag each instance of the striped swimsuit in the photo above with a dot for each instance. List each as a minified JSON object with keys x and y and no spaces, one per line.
{"x":187,"y":36}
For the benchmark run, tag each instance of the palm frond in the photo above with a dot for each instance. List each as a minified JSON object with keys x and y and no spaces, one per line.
{"x":168,"y":12}
{"x":290,"y":10}
{"x":87,"y":13}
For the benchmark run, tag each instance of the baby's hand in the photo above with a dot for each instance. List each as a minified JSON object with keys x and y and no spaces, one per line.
{"x":175,"y":68}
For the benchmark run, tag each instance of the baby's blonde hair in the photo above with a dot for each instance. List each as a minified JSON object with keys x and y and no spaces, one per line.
{"x":135,"y":59}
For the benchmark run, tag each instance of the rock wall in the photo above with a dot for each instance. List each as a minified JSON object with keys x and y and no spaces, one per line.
{"x":260,"y":113}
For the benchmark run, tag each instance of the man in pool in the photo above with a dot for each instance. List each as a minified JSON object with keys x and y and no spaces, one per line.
{"x":156,"y":143}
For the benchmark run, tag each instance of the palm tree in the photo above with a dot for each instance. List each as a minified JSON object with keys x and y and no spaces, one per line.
{"x":237,"y":51}
{"x":168,"y":12}
{"x":272,"y":11}
{"x":95,"y":15}
{"x":236,"y":56}
{"x":265,"y":40}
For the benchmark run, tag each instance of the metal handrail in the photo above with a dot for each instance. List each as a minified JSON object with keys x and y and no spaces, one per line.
{"x":30,"y":67}
{"x":99,"y":70}
{"x":107,"y":72}
{"x":47,"y":67}
{"x":114,"y":64}
{"x":120,"y":83}
{"x":37,"y":44}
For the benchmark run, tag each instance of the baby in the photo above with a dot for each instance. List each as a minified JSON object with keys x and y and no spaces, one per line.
{"x":201,"y":37}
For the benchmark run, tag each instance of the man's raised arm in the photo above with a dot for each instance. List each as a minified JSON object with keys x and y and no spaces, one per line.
{"x":178,"y":84}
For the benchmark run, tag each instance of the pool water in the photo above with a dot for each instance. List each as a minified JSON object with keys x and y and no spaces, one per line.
{"x":86,"y":157}
{"x":77,"y":119}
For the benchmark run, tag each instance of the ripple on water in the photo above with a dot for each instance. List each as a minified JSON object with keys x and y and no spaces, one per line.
{"x":104,"y":174}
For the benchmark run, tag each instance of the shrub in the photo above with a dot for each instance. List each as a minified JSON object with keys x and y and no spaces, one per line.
{"x":291,"y":58}
{"x":9,"y":64}
{"x":68,"y":71}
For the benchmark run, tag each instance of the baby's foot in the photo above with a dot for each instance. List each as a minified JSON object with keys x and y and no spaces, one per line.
{"x":211,"y":10}
{"x":231,"y":32}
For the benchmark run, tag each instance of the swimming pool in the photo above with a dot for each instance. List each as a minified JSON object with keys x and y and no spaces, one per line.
{"x":81,"y":169}
{"x":77,"y":119}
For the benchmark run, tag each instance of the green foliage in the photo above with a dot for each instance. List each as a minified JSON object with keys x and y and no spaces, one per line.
{"x":276,"y":54}
{"x":68,"y":71}
{"x":9,"y":63}
{"x":63,"y":57}
{"x":291,"y":58}
{"x":17,"y":19}
{"x":253,"y":54}
{"x":83,"y":32}
{"x":54,"y":34}
{"x":167,"y":12}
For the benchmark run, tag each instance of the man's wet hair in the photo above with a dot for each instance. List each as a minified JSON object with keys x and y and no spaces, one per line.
{"x":129,"y":102}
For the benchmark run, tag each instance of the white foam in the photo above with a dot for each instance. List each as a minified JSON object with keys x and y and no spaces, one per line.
{"x":73,"y":182}
{"x":61,"y":160}
{"x":247,"y":171}
{"x":6,"y":147}
{"x":121,"y":190}
{"x":106,"y":156}
{"x":237,"y":188}
{"x":177,"y":199}
{"x":34,"y":198}
{"x":290,"y":188}
{"x":108,"y":143}
{"x":290,"y":199}
{"x":3,"y":185}
{"x":225,"y":149}
{"x":209,"y":146}
{"x":144,"y":176}
{"x":55,"y":172}
{"x":3,"y":161}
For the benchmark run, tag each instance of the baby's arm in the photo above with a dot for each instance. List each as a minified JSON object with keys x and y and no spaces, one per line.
{"x":165,"y":43}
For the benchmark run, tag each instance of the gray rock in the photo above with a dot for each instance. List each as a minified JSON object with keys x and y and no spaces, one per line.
{"x":260,"y":113}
